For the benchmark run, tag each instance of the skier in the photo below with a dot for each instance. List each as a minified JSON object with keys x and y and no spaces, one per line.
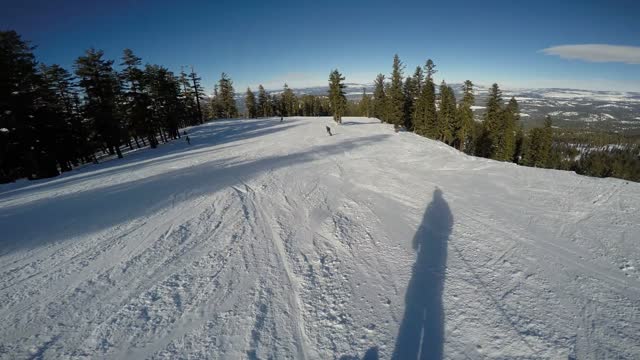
{"x":188,"y":140}
{"x":329,"y":131}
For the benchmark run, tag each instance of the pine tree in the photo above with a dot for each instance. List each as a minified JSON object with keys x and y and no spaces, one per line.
{"x":519,"y":145}
{"x":464,"y":125}
{"x":70,"y":134}
{"x":427,"y":120}
{"x":137,"y":100}
{"x":510,"y":117}
{"x":166,"y":108}
{"x":227,"y":97}
{"x":289,"y":102}
{"x":379,"y":98}
{"x":539,"y":149}
{"x":101,"y":87}
{"x":263,"y":102}
{"x":410,"y":91}
{"x":447,"y":117}
{"x":188,"y":98}
{"x":217,"y":107}
{"x":387,"y":102}
{"x":418,"y":106}
{"x":198,"y":93}
{"x":250,"y":103}
{"x":396,"y":95}
{"x":492,"y":138}
{"x":365,"y":104}
{"x":337,"y":97}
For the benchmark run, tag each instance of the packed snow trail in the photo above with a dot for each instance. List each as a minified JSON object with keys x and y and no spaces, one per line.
{"x":274,"y":240}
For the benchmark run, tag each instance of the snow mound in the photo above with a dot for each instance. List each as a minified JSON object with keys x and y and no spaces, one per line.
{"x":273,"y":240}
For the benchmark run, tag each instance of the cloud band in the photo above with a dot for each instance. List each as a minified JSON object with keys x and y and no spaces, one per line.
{"x":597,"y":53}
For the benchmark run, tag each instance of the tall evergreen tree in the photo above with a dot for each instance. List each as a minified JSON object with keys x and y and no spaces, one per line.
{"x":166,"y":108}
{"x":217,"y":107}
{"x":263,"y":102}
{"x":510,"y":118}
{"x":365,"y":104}
{"x":227,"y":97}
{"x":101,"y":88}
{"x":396,"y":95}
{"x":426,"y":118}
{"x":417,"y":107}
{"x":410,"y":96}
{"x":188,"y":99}
{"x":289,"y":102}
{"x":137,"y":99}
{"x":198,"y":92}
{"x":250,"y":103}
{"x":519,"y":145}
{"x":539,"y":149}
{"x":68,"y":134}
{"x":492,"y":139}
{"x":464,"y":125}
{"x":379,"y":98}
{"x":447,"y":117}
{"x":337,"y":97}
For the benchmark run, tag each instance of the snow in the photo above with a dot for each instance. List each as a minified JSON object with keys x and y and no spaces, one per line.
{"x":608,"y":96}
{"x":272,"y":240}
{"x":4,"y":130}
{"x":565,"y":113}
{"x":475,"y":107}
{"x":627,"y":107}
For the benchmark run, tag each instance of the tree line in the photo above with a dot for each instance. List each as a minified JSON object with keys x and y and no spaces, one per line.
{"x":412,"y":102}
{"x":52,"y":119}
{"x":286,"y":103}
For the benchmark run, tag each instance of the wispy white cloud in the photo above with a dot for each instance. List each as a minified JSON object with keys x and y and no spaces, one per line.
{"x":597,"y":53}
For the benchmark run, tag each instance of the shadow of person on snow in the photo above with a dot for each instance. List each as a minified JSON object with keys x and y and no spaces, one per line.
{"x":421,"y":334}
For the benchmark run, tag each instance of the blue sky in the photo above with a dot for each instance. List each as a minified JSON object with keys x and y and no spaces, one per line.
{"x":300,"y":42}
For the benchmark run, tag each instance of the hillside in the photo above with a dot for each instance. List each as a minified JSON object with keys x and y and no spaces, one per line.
{"x":273,"y":240}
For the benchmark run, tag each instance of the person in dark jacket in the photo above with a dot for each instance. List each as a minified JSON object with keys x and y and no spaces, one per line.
{"x":329,"y":131}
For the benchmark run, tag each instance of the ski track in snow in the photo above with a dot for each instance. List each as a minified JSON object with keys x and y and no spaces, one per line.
{"x":272,"y":240}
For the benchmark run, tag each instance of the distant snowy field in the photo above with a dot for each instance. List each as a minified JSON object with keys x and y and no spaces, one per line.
{"x":273,"y":240}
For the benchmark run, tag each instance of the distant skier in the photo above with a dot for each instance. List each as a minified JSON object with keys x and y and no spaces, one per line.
{"x":281,"y":118}
{"x":329,"y":131}
{"x":187,"y":138}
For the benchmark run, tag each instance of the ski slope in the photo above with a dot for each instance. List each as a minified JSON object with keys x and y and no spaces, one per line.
{"x":269,"y":240}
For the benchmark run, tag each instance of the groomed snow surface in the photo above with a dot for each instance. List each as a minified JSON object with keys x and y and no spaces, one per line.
{"x":269,"y":240}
